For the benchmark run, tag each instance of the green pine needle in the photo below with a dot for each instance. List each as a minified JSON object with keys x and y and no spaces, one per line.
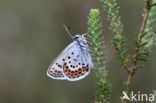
{"x":149,"y":36}
{"x":110,"y":6}
{"x":103,"y":87}
{"x":119,"y":42}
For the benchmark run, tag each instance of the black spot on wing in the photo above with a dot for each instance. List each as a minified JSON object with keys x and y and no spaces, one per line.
{"x":75,"y":60}
{"x":58,"y":65}
{"x":63,"y":59}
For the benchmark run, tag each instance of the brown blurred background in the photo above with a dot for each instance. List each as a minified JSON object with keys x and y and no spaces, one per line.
{"x":32,"y":35}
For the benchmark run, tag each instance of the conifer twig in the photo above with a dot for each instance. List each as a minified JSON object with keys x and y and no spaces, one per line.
{"x":103,"y":86}
{"x":134,"y":59}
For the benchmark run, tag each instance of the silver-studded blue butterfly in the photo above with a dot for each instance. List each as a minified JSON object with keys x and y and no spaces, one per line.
{"x":74,"y":63}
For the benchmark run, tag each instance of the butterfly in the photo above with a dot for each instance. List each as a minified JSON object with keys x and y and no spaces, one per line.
{"x":74,"y":62}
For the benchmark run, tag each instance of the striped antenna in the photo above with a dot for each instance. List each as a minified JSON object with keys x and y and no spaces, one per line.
{"x":68,"y":31}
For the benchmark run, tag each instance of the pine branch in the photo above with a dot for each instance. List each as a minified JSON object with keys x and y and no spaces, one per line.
{"x":149,"y":33}
{"x":142,"y":46}
{"x":146,"y":38}
{"x":119,"y":42}
{"x":103,"y":87}
{"x":110,"y":6}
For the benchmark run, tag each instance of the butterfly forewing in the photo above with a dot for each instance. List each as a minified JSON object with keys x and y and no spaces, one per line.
{"x":55,"y":70}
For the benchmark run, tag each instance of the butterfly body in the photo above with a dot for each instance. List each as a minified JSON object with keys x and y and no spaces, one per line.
{"x":74,"y":63}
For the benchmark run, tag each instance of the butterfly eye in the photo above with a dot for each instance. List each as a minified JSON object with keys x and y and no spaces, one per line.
{"x":76,"y":36}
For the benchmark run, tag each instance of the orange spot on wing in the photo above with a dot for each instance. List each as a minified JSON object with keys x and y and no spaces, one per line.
{"x":76,"y":73}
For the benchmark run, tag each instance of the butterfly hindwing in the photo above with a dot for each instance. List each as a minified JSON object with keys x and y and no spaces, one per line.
{"x":76,"y":64}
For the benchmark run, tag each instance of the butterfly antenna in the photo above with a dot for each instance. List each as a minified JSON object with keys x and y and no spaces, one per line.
{"x":68,"y":30}
{"x":85,"y":34}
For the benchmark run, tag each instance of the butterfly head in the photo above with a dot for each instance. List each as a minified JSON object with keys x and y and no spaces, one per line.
{"x":81,"y":40}
{"x":77,"y":36}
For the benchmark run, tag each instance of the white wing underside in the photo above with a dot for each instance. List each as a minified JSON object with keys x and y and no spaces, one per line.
{"x":54,"y":66}
{"x":78,"y":59}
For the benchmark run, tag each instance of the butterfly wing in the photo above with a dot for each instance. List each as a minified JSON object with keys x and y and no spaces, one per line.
{"x":78,"y":64}
{"x":55,"y":70}
{"x":73,"y":64}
